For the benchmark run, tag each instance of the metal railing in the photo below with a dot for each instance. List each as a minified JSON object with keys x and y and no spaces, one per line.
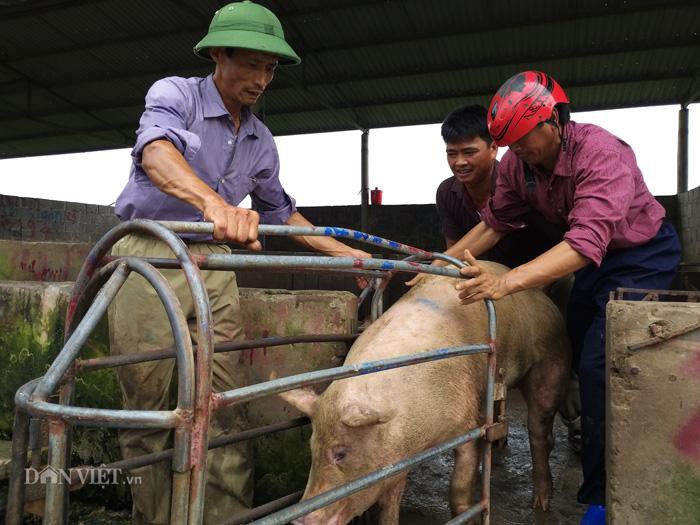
{"x":97,"y":284}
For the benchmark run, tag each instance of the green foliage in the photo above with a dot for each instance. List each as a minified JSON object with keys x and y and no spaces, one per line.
{"x":282,"y":463}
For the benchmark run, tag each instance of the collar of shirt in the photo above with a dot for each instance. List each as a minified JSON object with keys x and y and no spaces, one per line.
{"x":459,"y":188}
{"x":213,"y":107}
{"x":564,"y":165}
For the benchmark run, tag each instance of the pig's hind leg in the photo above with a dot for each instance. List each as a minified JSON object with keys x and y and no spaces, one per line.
{"x":463,"y":477}
{"x":543,"y":389}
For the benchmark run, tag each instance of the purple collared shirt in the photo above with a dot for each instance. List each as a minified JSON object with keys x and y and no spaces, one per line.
{"x":596,"y":189}
{"x":189,"y":113}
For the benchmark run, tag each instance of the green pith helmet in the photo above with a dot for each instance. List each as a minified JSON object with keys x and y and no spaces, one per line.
{"x":248,"y":26}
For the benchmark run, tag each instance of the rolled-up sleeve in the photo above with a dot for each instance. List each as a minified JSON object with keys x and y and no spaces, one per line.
{"x":168,"y":109}
{"x":603,"y":194}
{"x":268,"y":197}
{"x":507,"y":207}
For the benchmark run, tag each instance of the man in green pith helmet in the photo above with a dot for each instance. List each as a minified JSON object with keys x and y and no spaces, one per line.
{"x":199,"y":152}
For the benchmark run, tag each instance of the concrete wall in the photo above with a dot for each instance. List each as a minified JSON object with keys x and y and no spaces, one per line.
{"x":689,"y":224}
{"x":418,"y":225}
{"x":31,"y":335}
{"x":653,"y":463}
{"x":26,"y":219}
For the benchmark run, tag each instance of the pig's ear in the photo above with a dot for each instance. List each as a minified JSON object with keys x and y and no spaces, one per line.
{"x":303,"y":399}
{"x":356,"y":415}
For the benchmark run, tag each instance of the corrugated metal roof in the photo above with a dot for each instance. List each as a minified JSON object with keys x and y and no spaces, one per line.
{"x":73,"y":74}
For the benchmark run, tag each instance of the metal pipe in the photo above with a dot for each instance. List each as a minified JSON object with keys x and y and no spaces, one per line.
{"x":98,"y":363}
{"x":490,"y":387}
{"x":173,"y":264}
{"x":307,"y":506}
{"x":267,"y":388}
{"x":314,"y":231}
{"x":267,"y":508}
{"x":56,"y":493}
{"x":682,"y":161}
{"x":364,"y":180}
{"x":15,"y":493}
{"x":469,"y":514}
{"x":65,"y":358}
{"x":310,"y":262}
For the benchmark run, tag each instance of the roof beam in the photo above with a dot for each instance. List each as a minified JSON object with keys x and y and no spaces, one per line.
{"x":29,"y":8}
{"x":461,"y":94}
{"x":542,"y":20}
{"x":387,"y":76}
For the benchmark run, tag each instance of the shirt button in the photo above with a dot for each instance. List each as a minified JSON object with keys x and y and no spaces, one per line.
{"x":229,"y":141}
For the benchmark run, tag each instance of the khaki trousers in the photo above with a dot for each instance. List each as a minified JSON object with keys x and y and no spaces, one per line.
{"x":138,"y":323}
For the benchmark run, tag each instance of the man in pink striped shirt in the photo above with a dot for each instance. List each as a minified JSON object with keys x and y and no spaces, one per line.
{"x":584,"y":178}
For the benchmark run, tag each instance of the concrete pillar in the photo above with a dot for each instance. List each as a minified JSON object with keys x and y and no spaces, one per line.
{"x":364,"y":171}
{"x":683,"y":149}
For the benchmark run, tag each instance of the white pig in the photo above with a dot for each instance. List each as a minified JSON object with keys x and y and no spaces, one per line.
{"x":363,"y":423}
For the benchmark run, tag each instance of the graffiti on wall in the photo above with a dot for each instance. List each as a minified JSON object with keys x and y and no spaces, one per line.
{"x":39,"y":222}
{"x":41,"y":261}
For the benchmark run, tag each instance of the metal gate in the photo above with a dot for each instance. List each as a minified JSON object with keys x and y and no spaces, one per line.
{"x":96,"y":286}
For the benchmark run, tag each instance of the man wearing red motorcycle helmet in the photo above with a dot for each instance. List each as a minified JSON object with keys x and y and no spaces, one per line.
{"x":584,"y":178}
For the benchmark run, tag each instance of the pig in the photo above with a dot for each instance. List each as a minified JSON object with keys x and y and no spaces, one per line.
{"x":363,"y":423}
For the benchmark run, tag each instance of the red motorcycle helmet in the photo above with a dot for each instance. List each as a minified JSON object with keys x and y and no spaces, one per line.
{"x":522,"y":102}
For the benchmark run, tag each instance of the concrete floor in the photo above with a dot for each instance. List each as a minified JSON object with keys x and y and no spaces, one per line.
{"x":425,"y":499}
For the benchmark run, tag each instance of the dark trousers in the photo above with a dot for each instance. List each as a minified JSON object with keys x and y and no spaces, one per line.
{"x":651,"y":266}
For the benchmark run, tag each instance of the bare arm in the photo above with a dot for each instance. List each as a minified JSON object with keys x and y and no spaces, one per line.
{"x":170,"y":172}
{"x":553,"y":264}
{"x":327,"y":245}
{"x":480,"y":239}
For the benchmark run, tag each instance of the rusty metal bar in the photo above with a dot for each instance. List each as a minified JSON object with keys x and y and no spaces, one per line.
{"x":619,"y":293}
{"x":93,"y":416}
{"x":15,"y":494}
{"x":55,"y":510}
{"x":267,"y":508}
{"x":307,"y":506}
{"x":308,"y":262}
{"x":664,"y":337}
{"x":97,"y":363}
{"x":248,"y":393}
{"x":166,"y":263}
{"x":50,"y":381}
{"x":490,"y":386}
{"x":469,"y":514}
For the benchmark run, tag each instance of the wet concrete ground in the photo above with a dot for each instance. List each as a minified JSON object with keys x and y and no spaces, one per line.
{"x":425,"y":500}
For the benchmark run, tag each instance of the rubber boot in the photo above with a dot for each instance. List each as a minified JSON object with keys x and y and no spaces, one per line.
{"x":595,"y":515}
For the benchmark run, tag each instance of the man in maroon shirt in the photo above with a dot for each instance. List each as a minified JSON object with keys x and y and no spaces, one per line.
{"x":586,"y":179}
{"x":460,"y":199}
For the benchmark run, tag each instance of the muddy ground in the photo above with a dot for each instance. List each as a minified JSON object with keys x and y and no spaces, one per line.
{"x":425,"y":500}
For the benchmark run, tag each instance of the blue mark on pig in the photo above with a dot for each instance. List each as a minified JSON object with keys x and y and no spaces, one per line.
{"x":360,"y":235}
{"x":377,"y":240}
{"x":341,"y":232}
{"x":387,"y":265}
{"x":394,"y":244}
{"x":430,"y":304}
